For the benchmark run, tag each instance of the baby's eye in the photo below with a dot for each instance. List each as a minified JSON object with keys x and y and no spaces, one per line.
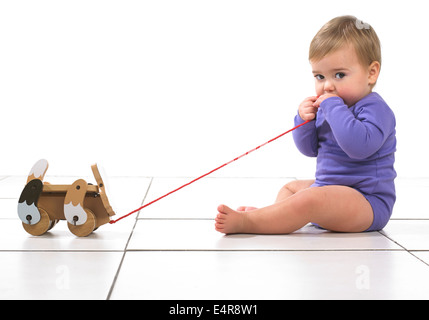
{"x":319,"y":77}
{"x":340,"y":75}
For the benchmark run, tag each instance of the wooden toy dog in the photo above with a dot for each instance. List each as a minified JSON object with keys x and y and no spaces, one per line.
{"x":84,"y":206}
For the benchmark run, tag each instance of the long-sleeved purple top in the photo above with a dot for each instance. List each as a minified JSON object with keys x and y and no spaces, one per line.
{"x":354,"y":146}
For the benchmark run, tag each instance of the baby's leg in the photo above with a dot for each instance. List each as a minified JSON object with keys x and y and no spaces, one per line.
{"x":293,"y":187}
{"x":336,"y":208}
{"x":285,"y":192}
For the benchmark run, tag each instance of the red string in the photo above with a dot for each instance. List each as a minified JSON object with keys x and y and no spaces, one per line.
{"x":208,"y":173}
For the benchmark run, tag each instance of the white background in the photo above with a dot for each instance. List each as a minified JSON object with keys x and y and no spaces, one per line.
{"x":176,"y":88}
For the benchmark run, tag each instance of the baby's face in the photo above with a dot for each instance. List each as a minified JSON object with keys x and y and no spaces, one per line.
{"x":341,"y":73}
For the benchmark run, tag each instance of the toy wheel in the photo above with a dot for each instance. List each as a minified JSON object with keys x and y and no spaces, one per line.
{"x":85,"y":229}
{"x":41,"y":227}
{"x":53,"y":223}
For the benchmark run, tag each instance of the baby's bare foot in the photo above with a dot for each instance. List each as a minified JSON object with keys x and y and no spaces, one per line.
{"x":245,"y":208}
{"x":230,"y":221}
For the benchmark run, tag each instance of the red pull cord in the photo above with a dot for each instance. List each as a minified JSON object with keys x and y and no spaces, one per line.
{"x":206,"y":174}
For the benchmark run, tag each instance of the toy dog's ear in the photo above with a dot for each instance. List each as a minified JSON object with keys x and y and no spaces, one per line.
{"x":74,"y":203}
{"x":35,"y":220}
{"x":28,"y":211}
{"x":27,"y":204}
{"x":81,"y":221}
{"x":97,"y":171}
{"x":38,"y":170}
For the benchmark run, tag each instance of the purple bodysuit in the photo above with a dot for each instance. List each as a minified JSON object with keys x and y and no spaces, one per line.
{"x":354,"y":147}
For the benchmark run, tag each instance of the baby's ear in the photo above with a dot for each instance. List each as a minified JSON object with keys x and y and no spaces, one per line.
{"x":373,"y":72}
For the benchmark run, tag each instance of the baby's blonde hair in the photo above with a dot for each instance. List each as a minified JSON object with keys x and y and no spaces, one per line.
{"x":345,"y":30}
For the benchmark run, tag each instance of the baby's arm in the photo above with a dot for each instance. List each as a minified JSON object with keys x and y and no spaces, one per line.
{"x":362,"y":135}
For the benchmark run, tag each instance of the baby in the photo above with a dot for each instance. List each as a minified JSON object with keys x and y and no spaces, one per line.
{"x":352,"y":134}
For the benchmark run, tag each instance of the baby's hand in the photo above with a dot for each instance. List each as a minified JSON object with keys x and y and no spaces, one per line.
{"x":322,"y":98}
{"x":307,"y":110}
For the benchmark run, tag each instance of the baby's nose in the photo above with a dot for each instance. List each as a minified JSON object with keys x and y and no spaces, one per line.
{"x":329,"y":87}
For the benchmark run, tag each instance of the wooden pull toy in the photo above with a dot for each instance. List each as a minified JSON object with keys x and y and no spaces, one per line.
{"x":84,"y":206}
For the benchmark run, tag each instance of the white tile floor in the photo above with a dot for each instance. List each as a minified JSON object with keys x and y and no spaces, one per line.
{"x":173,"y":252}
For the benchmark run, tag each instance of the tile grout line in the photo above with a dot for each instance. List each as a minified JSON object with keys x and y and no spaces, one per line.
{"x":426,"y":263}
{"x":405,"y":249}
{"x":395,"y":242}
{"x":126,"y":246}
{"x":265,"y":250}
